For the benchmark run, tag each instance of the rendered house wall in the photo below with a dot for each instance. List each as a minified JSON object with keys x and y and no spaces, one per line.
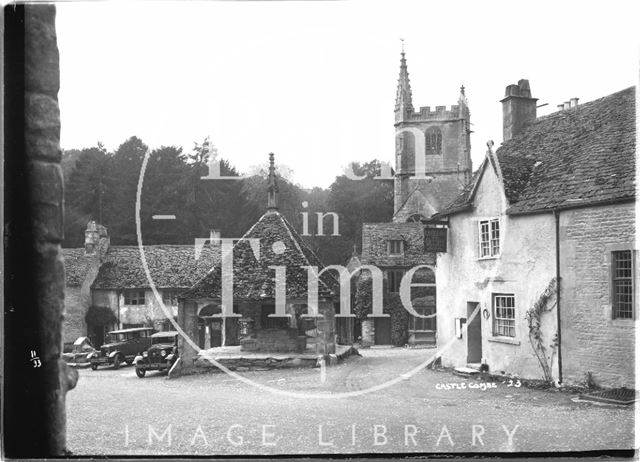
{"x":524,"y":268}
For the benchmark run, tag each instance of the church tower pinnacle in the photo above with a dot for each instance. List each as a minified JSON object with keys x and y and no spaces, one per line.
{"x":404,"y":105}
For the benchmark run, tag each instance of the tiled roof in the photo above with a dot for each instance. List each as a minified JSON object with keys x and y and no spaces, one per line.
{"x":577,"y":156}
{"x":170,"y":266}
{"x":253,"y":279}
{"x":574,"y":157}
{"x":76,"y":266}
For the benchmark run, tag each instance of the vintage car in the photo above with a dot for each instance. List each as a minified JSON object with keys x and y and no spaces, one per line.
{"x":124,"y":345}
{"x":160,"y":356}
{"x":77,"y":353}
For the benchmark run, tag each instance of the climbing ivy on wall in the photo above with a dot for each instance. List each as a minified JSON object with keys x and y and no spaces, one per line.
{"x":399,"y":319}
{"x":100,"y":316}
{"x":391,"y":305}
{"x":534,"y":320}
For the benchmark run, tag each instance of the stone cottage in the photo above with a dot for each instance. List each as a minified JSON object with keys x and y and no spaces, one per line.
{"x":107,"y":288}
{"x":271,"y":308}
{"x":542,"y":247}
{"x":433,"y":164}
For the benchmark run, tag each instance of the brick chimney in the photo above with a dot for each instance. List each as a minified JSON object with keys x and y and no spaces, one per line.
{"x":518,"y":109}
{"x":96,"y":239}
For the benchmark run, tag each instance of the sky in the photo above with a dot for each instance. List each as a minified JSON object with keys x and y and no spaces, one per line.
{"x":315,"y":82}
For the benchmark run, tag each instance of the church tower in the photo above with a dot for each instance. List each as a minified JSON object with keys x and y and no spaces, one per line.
{"x":433,"y":153}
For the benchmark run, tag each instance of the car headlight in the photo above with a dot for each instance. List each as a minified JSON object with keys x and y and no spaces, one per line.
{"x":163,"y":353}
{"x":145,"y":354}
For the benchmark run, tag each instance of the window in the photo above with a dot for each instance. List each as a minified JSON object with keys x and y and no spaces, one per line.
{"x":394,"y":277}
{"x":395,"y":247}
{"x":504,"y":315}
{"x":622,"y":284}
{"x":489,"y":238}
{"x":423,"y":323}
{"x":433,"y":141}
{"x":170,"y":297}
{"x":134,"y":297}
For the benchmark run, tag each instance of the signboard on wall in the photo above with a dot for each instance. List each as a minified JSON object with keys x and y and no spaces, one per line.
{"x":435,"y":239}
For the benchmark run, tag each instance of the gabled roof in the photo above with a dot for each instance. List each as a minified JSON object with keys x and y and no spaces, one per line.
{"x":280,"y":245}
{"x":574,"y":157}
{"x":464,"y":201}
{"x":170,"y":266}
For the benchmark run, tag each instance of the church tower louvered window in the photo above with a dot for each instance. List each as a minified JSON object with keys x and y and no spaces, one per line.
{"x":433,"y":141}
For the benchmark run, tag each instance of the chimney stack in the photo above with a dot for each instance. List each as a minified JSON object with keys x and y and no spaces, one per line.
{"x":567,"y":104}
{"x":574,"y":102}
{"x":96,"y":239}
{"x":518,"y":109}
{"x":214,"y":236}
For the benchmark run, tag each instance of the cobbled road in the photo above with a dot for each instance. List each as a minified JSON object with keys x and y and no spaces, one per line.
{"x":113,"y":412}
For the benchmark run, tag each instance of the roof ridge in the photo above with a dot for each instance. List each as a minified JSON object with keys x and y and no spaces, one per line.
{"x":588,"y":104}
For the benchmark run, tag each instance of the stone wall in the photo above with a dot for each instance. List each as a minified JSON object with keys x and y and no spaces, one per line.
{"x":34,"y":230}
{"x":374,"y":245}
{"x":591,"y":340}
{"x":275,"y":340}
{"x":74,"y":315}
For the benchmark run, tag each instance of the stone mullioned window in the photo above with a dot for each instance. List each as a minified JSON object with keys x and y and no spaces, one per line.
{"x":622,"y":284}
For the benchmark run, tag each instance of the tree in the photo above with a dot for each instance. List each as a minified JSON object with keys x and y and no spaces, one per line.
{"x":357,"y":202}
{"x":85,"y":189}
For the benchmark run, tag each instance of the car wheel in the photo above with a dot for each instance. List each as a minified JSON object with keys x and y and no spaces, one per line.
{"x":140,"y":372}
{"x":116,"y":362}
{"x":94,"y":366}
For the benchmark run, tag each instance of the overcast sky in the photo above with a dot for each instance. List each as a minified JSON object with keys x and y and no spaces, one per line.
{"x":315,"y":82}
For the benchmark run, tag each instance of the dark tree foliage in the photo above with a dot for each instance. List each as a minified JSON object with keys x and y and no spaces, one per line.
{"x":102,"y":186}
{"x":367,"y":200}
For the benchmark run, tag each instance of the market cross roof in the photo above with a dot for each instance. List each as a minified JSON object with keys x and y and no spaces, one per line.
{"x":280,"y":245}
{"x":580,"y":156}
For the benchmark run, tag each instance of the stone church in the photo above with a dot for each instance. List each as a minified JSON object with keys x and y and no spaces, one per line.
{"x":433,"y":164}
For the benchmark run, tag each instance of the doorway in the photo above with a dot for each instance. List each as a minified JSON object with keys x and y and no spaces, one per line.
{"x":382,"y":331}
{"x":474,"y":334}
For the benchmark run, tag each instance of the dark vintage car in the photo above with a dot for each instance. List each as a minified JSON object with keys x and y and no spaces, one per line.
{"x":124,"y":345}
{"x":160,"y":356}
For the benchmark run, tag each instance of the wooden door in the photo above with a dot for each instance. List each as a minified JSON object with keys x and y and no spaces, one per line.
{"x":382,"y":331}
{"x":215,"y":329}
{"x":474,"y":334}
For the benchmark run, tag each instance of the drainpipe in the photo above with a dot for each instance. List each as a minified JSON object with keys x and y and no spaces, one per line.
{"x":556,"y":214}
